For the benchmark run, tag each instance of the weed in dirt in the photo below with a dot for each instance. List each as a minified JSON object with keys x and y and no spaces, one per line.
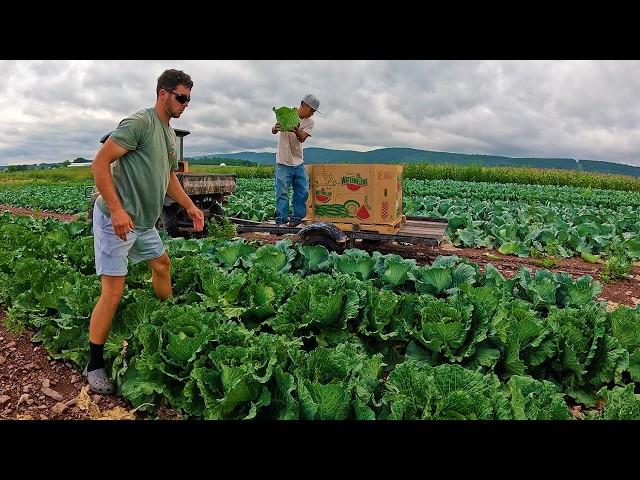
{"x":615,"y":267}
{"x":13,"y":325}
{"x":545,"y":263}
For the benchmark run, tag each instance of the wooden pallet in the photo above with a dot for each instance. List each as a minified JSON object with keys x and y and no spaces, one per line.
{"x":369,"y":227}
{"x":414,"y":230}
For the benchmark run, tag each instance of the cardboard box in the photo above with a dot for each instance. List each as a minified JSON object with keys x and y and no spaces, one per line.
{"x":368,"y":196}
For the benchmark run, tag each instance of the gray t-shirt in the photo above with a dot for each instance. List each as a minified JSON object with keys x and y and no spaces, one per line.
{"x":141,"y":176}
{"x":289,"y":147}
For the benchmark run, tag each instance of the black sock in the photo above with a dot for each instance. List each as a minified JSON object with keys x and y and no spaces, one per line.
{"x":96,"y":360}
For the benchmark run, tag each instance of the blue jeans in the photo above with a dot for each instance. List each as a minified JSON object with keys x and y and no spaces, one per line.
{"x":286,"y":177}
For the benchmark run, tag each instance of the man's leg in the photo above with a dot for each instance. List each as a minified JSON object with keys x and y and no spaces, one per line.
{"x":161,"y":276}
{"x":148,"y":247}
{"x":99,"y":325}
{"x":300,"y":194}
{"x":282,"y":185}
{"x":103,"y":312}
{"x":111,"y":264}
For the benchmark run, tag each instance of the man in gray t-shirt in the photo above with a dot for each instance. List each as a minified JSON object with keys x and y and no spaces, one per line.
{"x":289,"y":164}
{"x":133,"y":171}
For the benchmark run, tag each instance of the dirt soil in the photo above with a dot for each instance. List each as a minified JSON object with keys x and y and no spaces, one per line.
{"x":33,"y":386}
{"x":27,"y":212}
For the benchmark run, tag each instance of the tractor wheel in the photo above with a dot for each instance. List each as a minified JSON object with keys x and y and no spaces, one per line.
{"x":169,"y":219}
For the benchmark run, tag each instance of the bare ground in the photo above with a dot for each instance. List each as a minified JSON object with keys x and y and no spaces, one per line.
{"x":33,"y":386}
{"x":28,"y":212}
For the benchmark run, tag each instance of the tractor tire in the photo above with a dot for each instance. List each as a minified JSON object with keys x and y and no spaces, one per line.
{"x":169,"y":219}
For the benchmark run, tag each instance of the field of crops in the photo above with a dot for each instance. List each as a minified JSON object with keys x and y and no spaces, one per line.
{"x":287,"y":331}
{"x":533,"y":220}
{"x":523,"y":220}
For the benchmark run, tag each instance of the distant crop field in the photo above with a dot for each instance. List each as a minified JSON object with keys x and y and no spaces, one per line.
{"x":46,"y":176}
{"x":524,"y":176}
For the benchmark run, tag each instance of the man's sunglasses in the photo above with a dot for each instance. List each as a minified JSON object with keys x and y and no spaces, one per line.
{"x":181,"y":98}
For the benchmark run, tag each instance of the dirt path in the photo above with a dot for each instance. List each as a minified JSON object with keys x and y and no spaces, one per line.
{"x":27,"y":212}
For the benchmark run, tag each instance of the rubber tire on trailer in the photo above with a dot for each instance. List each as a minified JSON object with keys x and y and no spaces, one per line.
{"x":327,"y":242}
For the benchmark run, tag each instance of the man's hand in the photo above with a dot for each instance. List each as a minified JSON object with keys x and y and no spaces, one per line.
{"x":122,"y":223}
{"x":276,"y":128}
{"x":301,"y":135}
{"x":176,"y":192}
{"x":198,"y":218}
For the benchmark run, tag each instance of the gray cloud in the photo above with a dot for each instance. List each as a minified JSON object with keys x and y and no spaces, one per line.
{"x":56,"y":110}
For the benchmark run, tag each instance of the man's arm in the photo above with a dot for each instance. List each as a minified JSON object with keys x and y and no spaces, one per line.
{"x":176,"y":192}
{"x":101,"y":168}
{"x":301,"y":135}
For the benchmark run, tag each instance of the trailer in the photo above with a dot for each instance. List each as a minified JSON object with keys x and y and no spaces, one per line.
{"x":415,"y":230}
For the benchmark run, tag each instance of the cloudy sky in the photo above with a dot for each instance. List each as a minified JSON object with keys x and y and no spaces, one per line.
{"x":56,"y":110}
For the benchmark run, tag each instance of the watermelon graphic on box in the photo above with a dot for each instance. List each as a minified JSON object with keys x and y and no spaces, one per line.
{"x":323,"y":195}
{"x":362,"y":213}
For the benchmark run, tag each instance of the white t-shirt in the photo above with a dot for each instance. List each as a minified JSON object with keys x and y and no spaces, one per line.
{"x":289,"y":147}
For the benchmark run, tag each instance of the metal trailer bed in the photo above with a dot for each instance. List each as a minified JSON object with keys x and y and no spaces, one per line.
{"x":416,"y":230}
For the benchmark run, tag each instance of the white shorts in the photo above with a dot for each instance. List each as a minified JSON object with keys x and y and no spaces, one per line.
{"x":112,"y":253}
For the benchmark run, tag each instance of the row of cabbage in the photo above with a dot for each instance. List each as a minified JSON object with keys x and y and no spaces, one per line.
{"x":596,"y":225}
{"x":288,"y":331}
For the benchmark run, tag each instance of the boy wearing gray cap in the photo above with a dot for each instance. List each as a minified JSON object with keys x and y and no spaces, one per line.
{"x":289,"y":164}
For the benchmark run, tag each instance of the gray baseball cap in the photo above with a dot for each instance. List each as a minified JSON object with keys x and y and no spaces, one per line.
{"x":312,"y":101}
